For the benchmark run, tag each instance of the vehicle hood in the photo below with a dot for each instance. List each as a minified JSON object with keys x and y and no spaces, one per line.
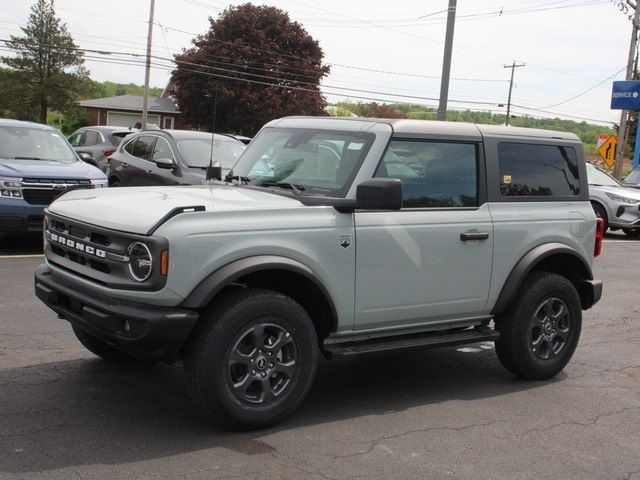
{"x":138,"y":209}
{"x":621,"y":191}
{"x":48,"y":169}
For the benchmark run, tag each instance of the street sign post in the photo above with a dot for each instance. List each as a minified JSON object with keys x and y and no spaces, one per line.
{"x":626,"y":96}
{"x":607,"y":151}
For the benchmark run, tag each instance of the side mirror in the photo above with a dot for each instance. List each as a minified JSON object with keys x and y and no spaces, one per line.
{"x":380,"y":194}
{"x":85,"y":157}
{"x":165,"y":163}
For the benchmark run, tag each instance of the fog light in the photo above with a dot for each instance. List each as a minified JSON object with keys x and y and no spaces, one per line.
{"x":126,"y":326}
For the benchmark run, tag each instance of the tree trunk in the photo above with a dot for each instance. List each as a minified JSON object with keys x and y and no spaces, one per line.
{"x":43,"y":109}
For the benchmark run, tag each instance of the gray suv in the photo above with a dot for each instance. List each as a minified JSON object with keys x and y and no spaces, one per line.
{"x":334,"y":237}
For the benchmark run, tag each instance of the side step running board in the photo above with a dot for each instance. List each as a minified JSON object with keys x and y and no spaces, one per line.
{"x":423,"y":340}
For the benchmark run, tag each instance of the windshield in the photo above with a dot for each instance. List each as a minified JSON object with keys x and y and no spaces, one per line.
{"x":598,"y":177}
{"x":196,"y":152}
{"x":26,"y":143}
{"x":633,"y":177}
{"x":322,"y":162}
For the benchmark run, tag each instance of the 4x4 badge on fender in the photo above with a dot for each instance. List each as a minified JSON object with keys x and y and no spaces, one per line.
{"x":345,"y":240}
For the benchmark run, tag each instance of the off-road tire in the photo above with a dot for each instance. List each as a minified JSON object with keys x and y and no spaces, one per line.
{"x":601,"y":213}
{"x":514,"y":348}
{"x":100,"y":348}
{"x":208,"y":364}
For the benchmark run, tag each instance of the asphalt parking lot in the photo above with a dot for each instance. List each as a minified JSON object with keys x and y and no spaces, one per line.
{"x":448,"y":413}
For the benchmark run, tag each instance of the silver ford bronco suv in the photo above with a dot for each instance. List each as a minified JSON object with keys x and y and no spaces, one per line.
{"x":334,"y":237}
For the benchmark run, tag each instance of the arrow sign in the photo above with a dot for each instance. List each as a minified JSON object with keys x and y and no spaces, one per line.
{"x":626,"y":95}
{"x":607,"y":151}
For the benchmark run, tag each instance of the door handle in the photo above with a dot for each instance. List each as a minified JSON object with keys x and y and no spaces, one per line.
{"x":466,"y":236}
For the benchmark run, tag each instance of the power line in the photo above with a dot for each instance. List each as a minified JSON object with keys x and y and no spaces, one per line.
{"x":587,"y":90}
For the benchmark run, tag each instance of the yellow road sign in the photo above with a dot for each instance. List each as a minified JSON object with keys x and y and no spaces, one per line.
{"x":608,"y":151}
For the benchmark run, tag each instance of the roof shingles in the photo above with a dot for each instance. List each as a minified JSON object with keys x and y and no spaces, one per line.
{"x":132,"y":103}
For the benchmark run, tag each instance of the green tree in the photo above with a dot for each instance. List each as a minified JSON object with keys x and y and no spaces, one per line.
{"x":257,"y":63}
{"x":47,"y":62}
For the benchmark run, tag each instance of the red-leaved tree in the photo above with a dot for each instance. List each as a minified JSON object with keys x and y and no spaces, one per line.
{"x":257,"y":63}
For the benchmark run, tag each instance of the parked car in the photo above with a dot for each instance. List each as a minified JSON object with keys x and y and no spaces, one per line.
{"x":633,"y":179}
{"x":37,"y":165}
{"x":617,"y":204}
{"x":97,"y":143}
{"x":250,"y":282}
{"x":170,"y":157}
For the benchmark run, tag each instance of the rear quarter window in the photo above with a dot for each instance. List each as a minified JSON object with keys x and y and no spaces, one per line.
{"x":537,"y":170}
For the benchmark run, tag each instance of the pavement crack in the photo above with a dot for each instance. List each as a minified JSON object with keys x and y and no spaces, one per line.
{"x":381,"y":439}
{"x":585,"y":423}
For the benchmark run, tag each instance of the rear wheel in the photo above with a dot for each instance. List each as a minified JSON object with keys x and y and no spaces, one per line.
{"x":601,"y":213}
{"x":115,"y":183}
{"x":540,"y":330}
{"x":252,"y":360}
{"x":100,"y":348}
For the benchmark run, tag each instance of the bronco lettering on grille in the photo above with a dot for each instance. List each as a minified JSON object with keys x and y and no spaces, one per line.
{"x":78,"y":246}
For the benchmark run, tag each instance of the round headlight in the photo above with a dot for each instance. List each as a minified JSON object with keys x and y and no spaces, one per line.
{"x":140,"y":261}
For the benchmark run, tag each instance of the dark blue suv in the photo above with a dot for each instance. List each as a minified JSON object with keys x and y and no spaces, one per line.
{"x":37,"y":165}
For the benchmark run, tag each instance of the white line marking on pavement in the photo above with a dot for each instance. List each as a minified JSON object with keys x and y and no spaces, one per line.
{"x":621,"y":241}
{"x":21,"y":256}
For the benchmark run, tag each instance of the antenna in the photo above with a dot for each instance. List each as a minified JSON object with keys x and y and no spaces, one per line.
{"x":214,"y":170}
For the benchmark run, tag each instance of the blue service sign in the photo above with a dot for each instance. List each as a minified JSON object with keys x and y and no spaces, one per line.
{"x":626,"y":95}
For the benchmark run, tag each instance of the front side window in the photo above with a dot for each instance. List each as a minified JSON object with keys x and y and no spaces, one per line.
{"x":322,"y":162}
{"x":433,"y":174}
{"x":143,"y":147}
{"x":162,"y":150}
{"x":537,"y":170}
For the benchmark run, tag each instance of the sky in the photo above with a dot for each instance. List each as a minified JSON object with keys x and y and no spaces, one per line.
{"x":569,"y":47}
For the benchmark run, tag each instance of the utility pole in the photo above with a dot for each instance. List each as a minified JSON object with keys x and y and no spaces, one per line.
{"x":623,"y":134}
{"x":145,"y":101}
{"x":513,"y":67}
{"x":446,"y":61}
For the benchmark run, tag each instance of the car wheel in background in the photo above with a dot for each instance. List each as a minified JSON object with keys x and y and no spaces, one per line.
{"x":601,"y":213}
{"x":632,"y":232}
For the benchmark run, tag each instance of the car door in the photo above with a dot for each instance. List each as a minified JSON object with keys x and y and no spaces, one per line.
{"x":430,"y":262}
{"x":139,"y":168}
{"x":164,"y":176}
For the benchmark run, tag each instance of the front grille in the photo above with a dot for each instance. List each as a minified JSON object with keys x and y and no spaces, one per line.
{"x":43,"y":191}
{"x":40,"y":197}
{"x":97,"y":253}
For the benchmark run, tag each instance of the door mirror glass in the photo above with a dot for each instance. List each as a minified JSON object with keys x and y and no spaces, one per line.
{"x":380,"y":194}
{"x":165,"y":163}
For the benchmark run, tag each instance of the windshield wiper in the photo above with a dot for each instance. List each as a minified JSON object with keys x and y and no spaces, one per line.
{"x":238,"y":178}
{"x":297,"y":189}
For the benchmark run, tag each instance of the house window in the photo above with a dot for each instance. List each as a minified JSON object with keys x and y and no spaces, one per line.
{"x":167,"y":123}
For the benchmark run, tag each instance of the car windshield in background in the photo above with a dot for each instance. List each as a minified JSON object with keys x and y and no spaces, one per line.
{"x":598,"y":177}
{"x":322,"y":162}
{"x":196,"y":152}
{"x":24,"y":143}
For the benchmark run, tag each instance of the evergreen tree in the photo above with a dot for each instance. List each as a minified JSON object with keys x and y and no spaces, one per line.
{"x":47,"y":63}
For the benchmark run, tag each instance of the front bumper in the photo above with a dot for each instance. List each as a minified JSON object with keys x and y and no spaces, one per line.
{"x":156,"y":333}
{"x":19,"y":216}
{"x":624,"y":215}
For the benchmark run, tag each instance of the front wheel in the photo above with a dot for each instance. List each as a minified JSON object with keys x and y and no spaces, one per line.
{"x":252,"y":360}
{"x":601,"y":213}
{"x":632,"y":232}
{"x":540,"y":330}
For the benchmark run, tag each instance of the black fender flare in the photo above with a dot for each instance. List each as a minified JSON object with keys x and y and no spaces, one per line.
{"x":208,"y":288}
{"x":527,"y":263}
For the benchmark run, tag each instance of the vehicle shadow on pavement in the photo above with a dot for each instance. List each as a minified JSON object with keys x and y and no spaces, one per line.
{"x":87,"y":411}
